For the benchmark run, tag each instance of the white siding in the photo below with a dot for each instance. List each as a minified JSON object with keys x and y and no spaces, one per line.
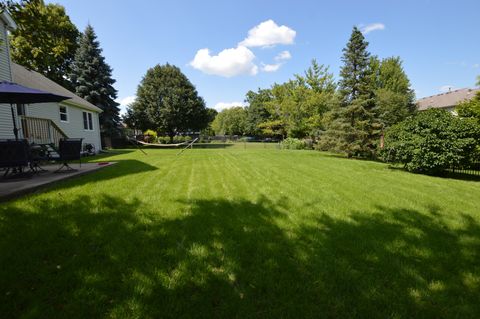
{"x":6,"y":126}
{"x":5,"y":71}
{"x":74,"y":127}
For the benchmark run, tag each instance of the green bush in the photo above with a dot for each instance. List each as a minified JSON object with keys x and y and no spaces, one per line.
{"x":432,"y":141}
{"x":188,"y":139}
{"x":163,"y":139}
{"x":179,"y":139}
{"x":291,"y":143}
{"x":150,"y":136}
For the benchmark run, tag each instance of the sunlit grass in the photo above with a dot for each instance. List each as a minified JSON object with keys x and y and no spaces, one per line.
{"x":243,"y":233}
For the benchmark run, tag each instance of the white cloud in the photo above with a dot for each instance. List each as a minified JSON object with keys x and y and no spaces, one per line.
{"x":366,"y":29}
{"x":220,"y":106}
{"x":476,"y":65}
{"x":280,"y":58}
{"x":268,"y":33}
{"x":228,"y":63}
{"x":446,"y":88}
{"x":283,"y":56}
{"x":124,"y":102}
{"x":271,"y":67}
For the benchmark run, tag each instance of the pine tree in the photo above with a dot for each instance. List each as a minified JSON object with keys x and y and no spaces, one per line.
{"x":354,"y":128}
{"x":92,"y":79}
{"x":354,"y":80}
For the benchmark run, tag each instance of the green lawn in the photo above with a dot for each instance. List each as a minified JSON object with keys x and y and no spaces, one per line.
{"x":256,"y":233}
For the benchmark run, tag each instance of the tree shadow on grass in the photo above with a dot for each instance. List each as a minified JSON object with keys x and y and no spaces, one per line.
{"x":103,"y":256}
{"x":120,"y":168}
{"x":398,"y":263}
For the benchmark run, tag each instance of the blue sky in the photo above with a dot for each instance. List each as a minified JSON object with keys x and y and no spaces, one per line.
{"x":248,"y":40}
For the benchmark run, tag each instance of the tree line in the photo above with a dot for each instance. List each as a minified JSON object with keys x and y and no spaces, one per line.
{"x":369,"y":112}
{"x":348,"y":116}
{"x":48,"y":42}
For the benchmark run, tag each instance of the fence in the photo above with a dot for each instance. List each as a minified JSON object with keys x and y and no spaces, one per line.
{"x":473,"y":169}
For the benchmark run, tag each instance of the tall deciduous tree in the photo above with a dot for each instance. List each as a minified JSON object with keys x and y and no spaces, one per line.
{"x":168,"y":103}
{"x":92,"y":79}
{"x":257,"y":112}
{"x":45,"y":40}
{"x":231,"y":121}
{"x":395,"y":100}
{"x":294,"y":108}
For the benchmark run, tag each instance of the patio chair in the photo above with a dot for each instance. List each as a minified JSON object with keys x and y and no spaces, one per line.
{"x":14,"y":156}
{"x":38,"y":154}
{"x":69,"y":149}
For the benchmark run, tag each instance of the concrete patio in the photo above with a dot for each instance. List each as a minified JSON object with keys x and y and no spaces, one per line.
{"x":13,"y":187}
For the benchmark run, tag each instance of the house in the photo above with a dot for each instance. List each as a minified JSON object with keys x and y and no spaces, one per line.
{"x":44,"y":122}
{"x":447,"y":101}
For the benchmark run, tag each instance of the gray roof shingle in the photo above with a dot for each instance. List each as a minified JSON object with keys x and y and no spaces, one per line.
{"x":35,"y":80}
{"x":448,"y":99}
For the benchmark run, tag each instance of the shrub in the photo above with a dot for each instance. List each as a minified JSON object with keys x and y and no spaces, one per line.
{"x":178,"y":139}
{"x":291,"y":143}
{"x":432,"y":141}
{"x":150,"y":136}
{"x":163,"y":139}
{"x":188,"y":139}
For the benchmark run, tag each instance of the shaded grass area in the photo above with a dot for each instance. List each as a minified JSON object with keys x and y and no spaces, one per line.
{"x":243,"y":233}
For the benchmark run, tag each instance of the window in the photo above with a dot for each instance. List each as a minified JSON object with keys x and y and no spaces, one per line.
{"x":88,"y":121}
{"x":63,"y":113}
{"x":21,"y":110}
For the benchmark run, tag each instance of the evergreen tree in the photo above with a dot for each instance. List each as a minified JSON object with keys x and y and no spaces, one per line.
{"x":92,"y":79}
{"x":168,"y":103}
{"x":354,"y":128}
{"x":354,"y":80}
{"x":45,"y":40}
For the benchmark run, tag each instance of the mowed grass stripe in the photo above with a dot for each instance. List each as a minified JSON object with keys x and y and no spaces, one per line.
{"x":256,"y":233}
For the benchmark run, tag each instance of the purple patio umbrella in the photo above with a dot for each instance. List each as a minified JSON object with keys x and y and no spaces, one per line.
{"x":13,"y":93}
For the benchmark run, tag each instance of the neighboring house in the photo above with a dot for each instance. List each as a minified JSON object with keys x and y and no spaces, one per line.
{"x":45,"y":122}
{"x":447,"y":101}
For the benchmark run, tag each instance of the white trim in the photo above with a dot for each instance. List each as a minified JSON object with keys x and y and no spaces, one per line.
{"x":66,"y":113}
{"x":82,"y":106}
{"x":89,"y":121}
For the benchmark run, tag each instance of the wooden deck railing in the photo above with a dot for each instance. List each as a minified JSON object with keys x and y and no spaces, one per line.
{"x":41,"y":131}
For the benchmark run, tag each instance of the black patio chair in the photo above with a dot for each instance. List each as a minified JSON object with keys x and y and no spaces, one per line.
{"x":69,"y":149}
{"x":14,"y":156}
{"x":38,"y":155}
